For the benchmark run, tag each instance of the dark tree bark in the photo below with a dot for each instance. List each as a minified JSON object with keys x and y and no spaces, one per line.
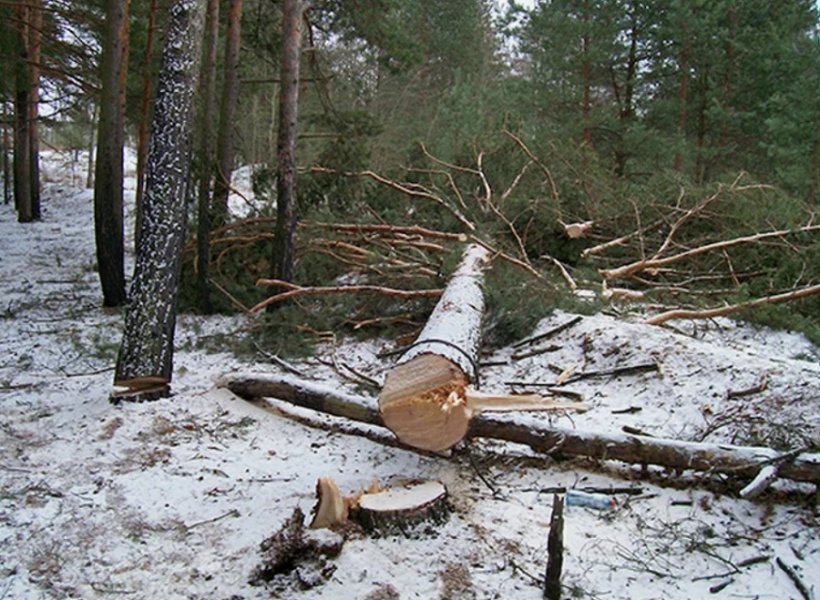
{"x":145,"y":114}
{"x":7,"y":193}
{"x":145,"y":362}
{"x":92,"y":138}
{"x":286,"y":142}
{"x":683,"y":97}
{"x":586,"y":76}
{"x":627,"y":106}
{"x":22,"y":98}
{"x":36,"y":16}
{"x":108,"y":224}
{"x":230,"y":94}
{"x":701,"y":162}
{"x":206,"y":158}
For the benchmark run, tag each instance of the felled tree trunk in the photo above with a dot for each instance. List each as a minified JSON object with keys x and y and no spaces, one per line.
{"x":424,"y":399}
{"x":741,"y":461}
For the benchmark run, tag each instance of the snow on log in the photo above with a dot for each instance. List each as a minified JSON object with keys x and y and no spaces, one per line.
{"x":423,"y":400}
{"x":741,"y":461}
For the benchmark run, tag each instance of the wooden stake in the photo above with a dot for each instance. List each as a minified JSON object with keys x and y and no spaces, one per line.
{"x":555,"y":550}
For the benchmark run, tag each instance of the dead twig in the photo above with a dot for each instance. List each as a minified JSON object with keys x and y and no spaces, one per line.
{"x":297,"y":290}
{"x":548,"y":334}
{"x":654,"y":263}
{"x":798,"y":583}
{"x":413,"y":190}
{"x":710,"y":313}
{"x":520,"y":143}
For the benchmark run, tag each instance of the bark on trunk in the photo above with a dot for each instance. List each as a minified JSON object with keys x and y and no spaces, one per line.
{"x":7,"y":191}
{"x":89,"y":176}
{"x":22,"y":97}
{"x":145,"y":112}
{"x":740,"y":461}
{"x":423,"y":400}
{"x":286,"y":141}
{"x":230,"y":95}
{"x":108,"y":207}
{"x":683,"y":97}
{"x":144,"y":366}
{"x":206,"y":159}
{"x":36,"y":12}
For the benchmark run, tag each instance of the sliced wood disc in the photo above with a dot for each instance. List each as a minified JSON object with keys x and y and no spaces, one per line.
{"x":411,"y":509}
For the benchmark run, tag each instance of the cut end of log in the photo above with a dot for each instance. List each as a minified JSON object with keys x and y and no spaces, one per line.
{"x":424,"y":403}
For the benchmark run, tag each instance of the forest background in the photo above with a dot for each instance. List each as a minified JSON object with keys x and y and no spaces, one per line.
{"x":665,"y":126}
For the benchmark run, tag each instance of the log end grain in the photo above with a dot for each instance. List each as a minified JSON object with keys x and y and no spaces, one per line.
{"x":411,"y":510}
{"x":424,"y":403}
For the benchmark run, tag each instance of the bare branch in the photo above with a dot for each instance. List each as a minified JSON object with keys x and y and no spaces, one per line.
{"x":728,"y":310}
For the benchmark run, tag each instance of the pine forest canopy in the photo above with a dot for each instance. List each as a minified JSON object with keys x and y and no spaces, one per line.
{"x":621,"y":113}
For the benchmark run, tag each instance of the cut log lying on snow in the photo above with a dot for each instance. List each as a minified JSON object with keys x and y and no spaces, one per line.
{"x":715,"y":458}
{"x":427,"y":399}
{"x":423,"y":400}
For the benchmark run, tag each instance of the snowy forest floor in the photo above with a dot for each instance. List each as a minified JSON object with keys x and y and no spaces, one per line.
{"x":171,"y":499}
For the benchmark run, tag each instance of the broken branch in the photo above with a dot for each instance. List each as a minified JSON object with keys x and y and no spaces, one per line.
{"x":710,"y":313}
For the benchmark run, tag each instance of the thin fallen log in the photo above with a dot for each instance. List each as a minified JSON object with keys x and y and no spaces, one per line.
{"x":297,"y":290}
{"x":710,"y":313}
{"x":741,"y":461}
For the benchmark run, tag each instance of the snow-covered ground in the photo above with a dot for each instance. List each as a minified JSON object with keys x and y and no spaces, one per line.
{"x":171,"y":499}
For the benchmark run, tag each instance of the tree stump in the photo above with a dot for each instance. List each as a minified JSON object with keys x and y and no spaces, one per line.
{"x":408,"y":510}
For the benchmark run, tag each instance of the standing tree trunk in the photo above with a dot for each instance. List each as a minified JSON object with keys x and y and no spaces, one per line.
{"x":145,"y":112}
{"x":286,"y":142}
{"x":586,"y":76}
{"x":108,"y":224}
{"x":683,"y":97}
{"x":22,"y":98}
{"x":36,"y":16}
{"x":230,"y":94}
{"x":145,"y":362}
{"x":206,"y":158}
{"x":7,"y":194}
{"x":89,"y":177}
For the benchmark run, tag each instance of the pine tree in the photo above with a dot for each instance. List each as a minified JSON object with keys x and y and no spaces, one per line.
{"x":145,"y":362}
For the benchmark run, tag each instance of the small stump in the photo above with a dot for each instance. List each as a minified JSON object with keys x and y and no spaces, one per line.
{"x":412,"y":509}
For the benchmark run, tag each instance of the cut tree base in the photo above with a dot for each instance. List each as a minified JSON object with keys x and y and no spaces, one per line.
{"x":411,"y":510}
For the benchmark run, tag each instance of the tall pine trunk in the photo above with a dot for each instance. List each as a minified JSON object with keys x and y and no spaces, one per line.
{"x":230,"y":95}
{"x":206,"y":158}
{"x":145,"y":112}
{"x":22,"y":98}
{"x":36,"y":14}
{"x":145,"y":362}
{"x":108,"y":205}
{"x":286,"y":144}
{"x":683,"y":97}
{"x":7,"y":193}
